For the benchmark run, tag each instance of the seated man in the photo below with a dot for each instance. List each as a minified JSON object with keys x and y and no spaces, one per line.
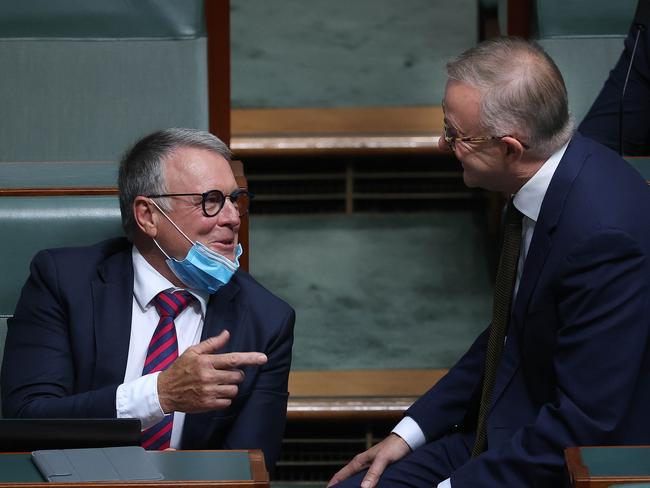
{"x":565,"y":359}
{"x":147,"y":327}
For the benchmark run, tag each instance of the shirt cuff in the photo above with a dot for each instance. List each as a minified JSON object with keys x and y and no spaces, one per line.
{"x":138,"y":399}
{"x":445,"y":484}
{"x":410,"y":431}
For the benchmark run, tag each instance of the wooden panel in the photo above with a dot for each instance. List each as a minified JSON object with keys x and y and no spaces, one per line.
{"x":363,"y":383}
{"x":520,"y":18}
{"x":370,"y":120}
{"x":357,"y":394}
{"x":336,"y":131}
{"x":217,"y":21}
{"x":580,"y":477}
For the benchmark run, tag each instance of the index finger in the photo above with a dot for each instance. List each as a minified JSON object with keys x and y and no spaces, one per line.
{"x":359,"y":462}
{"x":232,"y":360}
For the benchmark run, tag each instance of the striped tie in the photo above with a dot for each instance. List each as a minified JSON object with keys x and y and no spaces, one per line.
{"x":162,"y":351}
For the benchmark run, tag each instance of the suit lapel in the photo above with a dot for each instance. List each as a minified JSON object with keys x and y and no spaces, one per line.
{"x":112,"y":293}
{"x":223,"y":312}
{"x":540,"y":246}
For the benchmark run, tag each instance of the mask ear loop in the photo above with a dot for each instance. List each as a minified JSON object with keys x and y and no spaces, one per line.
{"x":171,"y":222}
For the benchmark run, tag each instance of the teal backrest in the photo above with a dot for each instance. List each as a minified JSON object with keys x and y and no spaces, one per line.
{"x":81,"y":81}
{"x":573,"y":18}
{"x":29,"y":224}
{"x":585,"y":38}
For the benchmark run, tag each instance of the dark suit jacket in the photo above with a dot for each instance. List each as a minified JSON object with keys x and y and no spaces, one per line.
{"x":575,"y":369}
{"x":67,"y":347}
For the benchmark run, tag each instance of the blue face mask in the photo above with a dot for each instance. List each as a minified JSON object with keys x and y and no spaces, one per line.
{"x":202,"y":268}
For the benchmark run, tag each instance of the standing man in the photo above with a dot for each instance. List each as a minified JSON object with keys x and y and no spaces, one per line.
{"x":566,"y":357}
{"x":149,"y":327}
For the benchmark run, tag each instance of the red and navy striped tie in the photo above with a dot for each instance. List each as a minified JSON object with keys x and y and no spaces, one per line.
{"x":162,"y":351}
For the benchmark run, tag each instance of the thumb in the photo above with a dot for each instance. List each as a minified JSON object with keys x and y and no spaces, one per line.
{"x":212,"y":344}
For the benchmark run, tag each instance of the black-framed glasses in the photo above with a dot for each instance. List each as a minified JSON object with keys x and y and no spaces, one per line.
{"x":212,"y":201}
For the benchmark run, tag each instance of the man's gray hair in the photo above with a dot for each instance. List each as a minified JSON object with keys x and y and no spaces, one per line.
{"x":142,"y":169}
{"x":523,"y":92}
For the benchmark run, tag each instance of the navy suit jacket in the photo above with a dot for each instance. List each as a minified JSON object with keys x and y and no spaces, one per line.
{"x":67,"y":347}
{"x":576,"y":363}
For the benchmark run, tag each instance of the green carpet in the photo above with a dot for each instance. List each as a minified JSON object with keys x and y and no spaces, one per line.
{"x":376,"y":291}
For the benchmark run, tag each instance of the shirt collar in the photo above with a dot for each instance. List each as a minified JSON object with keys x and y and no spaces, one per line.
{"x":148,"y":283}
{"x":528,"y":200}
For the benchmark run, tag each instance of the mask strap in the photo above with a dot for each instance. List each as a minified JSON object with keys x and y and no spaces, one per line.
{"x":171,"y":222}
{"x":161,"y":249}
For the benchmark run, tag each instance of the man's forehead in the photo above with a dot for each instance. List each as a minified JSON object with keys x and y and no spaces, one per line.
{"x":200,"y":168}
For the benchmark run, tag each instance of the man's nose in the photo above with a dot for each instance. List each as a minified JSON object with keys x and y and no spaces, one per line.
{"x":442,"y":145}
{"x":229,"y":213}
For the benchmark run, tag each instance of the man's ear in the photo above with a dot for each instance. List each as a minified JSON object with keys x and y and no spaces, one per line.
{"x":514,"y":149}
{"x":145,"y":217}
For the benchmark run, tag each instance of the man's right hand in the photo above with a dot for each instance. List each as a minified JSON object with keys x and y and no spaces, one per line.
{"x":391,"y":449}
{"x":199,"y":380}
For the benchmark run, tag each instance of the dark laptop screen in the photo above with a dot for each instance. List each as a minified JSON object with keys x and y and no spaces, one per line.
{"x":33,"y":434}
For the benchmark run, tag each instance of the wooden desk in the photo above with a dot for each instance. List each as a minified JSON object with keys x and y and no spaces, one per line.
{"x":601,"y":467}
{"x":193,"y":469}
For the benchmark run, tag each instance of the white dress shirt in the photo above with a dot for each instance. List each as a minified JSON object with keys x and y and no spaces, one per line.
{"x":528,"y":200}
{"x":137,"y":397}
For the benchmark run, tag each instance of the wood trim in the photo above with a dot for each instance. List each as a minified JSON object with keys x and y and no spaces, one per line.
{"x":424,"y":120}
{"x":55,"y":192}
{"x":238,"y":171}
{"x":520,"y":18}
{"x":348,"y":409}
{"x":581,"y":478}
{"x":217,"y":22}
{"x":336,"y":131}
{"x":363,"y":383}
{"x":258,"y":467}
{"x":246,"y":147}
{"x":357,"y":394}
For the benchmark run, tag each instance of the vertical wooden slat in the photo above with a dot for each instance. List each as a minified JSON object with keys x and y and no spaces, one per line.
{"x":520,"y":17}
{"x":217,"y":21}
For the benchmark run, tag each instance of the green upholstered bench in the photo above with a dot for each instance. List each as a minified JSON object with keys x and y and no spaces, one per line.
{"x":29,"y":224}
{"x":584,"y":38}
{"x":83,"y":80}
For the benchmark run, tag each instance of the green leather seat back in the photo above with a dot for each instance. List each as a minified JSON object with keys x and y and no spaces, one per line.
{"x":58,"y":174}
{"x":29,"y":224}
{"x":81,"y":81}
{"x":585,"y":38}
{"x":572,"y":18}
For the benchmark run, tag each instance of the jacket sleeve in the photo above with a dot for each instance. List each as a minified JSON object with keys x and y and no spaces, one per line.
{"x":38,"y":369}
{"x":451,"y":403}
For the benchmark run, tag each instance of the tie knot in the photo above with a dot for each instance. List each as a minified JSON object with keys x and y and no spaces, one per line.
{"x":171,"y":303}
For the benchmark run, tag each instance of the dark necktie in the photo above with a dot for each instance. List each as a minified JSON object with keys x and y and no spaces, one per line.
{"x":162,"y":351}
{"x":503,"y":290}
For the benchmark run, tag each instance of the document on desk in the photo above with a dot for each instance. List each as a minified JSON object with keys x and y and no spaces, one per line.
{"x":126,"y":463}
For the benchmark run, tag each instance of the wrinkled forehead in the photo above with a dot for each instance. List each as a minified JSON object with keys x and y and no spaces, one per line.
{"x":190,"y":169}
